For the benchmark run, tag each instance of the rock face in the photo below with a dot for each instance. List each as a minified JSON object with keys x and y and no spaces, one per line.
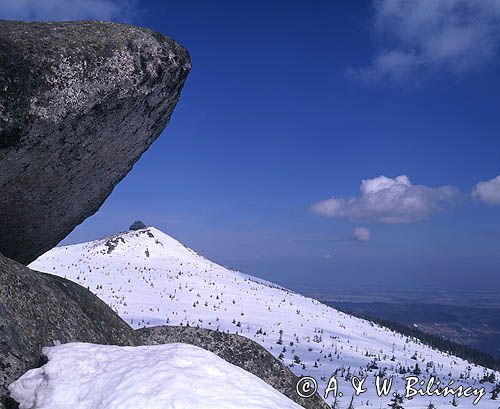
{"x":38,"y":310}
{"x":79,"y":103}
{"x":137,"y":225}
{"x":239,"y":351}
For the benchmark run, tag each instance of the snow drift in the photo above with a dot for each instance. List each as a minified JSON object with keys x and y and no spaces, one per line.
{"x":171,"y":376}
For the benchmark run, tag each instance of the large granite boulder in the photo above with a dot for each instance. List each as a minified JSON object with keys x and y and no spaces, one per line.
{"x":239,"y":351}
{"x":38,"y":310}
{"x":79,"y":103}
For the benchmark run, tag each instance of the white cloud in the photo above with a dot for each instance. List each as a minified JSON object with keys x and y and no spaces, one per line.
{"x":417,"y":38}
{"x":488,"y":192}
{"x":389,"y":200}
{"x":361,"y":234}
{"x":66,"y":10}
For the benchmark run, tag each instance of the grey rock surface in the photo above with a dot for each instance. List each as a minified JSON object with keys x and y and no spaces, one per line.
{"x":79,"y":103}
{"x":38,"y":310}
{"x":137,"y":225}
{"x":239,"y":351}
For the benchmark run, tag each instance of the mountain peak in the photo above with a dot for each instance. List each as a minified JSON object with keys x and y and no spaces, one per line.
{"x":145,"y":243}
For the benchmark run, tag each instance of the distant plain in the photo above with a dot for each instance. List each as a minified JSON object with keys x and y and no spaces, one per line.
{"x":471,"y":318}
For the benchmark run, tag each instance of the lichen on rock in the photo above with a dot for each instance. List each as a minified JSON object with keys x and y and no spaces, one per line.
{"x":80,"y":103}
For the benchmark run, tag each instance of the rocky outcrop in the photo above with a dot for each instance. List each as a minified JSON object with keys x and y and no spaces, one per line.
{"x":137,"y":225}
{"x":79,"y":103}
{"x":239,"y":351}
{"x":38,"y":310}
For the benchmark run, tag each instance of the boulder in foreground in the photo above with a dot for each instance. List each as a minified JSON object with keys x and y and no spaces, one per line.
{"x":39,"y":310}
{"x":79,"y":103}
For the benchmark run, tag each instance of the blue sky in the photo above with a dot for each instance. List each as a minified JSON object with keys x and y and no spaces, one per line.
{"x":289,"y":107}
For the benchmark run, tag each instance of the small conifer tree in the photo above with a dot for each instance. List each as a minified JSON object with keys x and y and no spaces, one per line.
{"x":396,"y":401}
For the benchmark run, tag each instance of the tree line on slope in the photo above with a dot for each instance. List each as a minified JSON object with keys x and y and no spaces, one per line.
{"x":440,"y":343}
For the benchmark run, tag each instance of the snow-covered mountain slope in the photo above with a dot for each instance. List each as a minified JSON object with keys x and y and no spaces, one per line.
{"x":151,"y":279}
{"x":172,"y":376}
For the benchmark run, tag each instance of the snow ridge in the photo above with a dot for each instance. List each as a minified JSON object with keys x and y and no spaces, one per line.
{"x":150,"y":279}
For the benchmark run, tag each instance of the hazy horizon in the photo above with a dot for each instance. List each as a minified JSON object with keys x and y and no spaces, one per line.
{"x":336,"y":144}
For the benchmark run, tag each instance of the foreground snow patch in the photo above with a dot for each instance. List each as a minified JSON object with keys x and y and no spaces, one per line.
{"x":176,"y":376}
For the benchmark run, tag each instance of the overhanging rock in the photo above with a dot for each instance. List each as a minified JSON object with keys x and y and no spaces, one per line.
{"x":79,"y":103}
